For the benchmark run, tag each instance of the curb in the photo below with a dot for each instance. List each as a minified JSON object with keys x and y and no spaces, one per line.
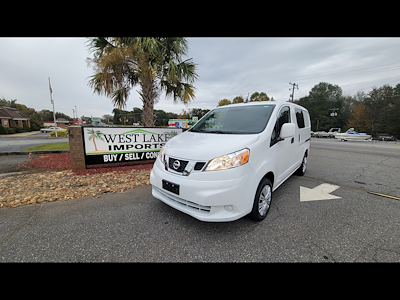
{"x":13,"y":173}
{"x":33,"y":152}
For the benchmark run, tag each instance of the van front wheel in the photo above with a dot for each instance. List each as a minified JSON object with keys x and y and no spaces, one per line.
{"x":262,"y":200}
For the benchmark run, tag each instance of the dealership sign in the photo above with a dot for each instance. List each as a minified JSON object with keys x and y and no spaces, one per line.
{"x":122,"y":144}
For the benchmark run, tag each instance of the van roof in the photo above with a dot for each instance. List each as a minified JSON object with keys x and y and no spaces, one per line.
{"x":261,"y":103}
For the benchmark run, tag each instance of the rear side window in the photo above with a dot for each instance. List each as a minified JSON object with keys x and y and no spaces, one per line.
{"x":300,"y":118}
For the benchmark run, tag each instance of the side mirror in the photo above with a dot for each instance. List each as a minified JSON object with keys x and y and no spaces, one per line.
{"x":287,"y":130}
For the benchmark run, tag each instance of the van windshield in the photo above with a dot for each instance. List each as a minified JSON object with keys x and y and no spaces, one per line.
{"x":235,"y":120}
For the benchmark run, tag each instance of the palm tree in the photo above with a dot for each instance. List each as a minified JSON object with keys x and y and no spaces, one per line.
{"x":153,"y":63}
{"x":95,"y":135}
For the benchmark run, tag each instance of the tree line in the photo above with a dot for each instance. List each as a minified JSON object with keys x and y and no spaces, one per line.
{"x":374,"y":112}
{"x":256,"y":96}
{"x":136,"y":116}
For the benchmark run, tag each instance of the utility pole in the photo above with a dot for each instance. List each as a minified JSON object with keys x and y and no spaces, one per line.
{"x":54,"y":112}
{"x":294,"y":85}
{"x":76,"y":112}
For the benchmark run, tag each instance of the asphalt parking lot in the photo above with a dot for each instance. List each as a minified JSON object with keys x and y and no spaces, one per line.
{"x":353,"y":226}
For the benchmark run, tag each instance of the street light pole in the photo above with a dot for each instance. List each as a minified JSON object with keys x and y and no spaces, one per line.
{"x":54,"y":112}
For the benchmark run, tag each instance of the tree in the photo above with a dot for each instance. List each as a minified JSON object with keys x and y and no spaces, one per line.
{"x":198,"y":112}
{"x":383,"y":108}
{"x":359,"y":118}
{"x":162,"y":117}
{"x":107,"y":118}
{"x":224,"y":102}
{"x":238,"y":99}
{"x":153,"y":63}
{"x":46,"y":115}
{"x":259,"y":97}
{"x":62,"y":115}
{"x":322,"y":97}
{"x":8,"y":103}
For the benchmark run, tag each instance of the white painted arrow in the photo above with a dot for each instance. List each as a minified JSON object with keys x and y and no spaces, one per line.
{"x":321,"y":192}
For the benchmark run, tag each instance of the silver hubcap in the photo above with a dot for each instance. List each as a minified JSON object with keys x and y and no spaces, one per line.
{"x":304,"y":163}
{"x":265,"y":200}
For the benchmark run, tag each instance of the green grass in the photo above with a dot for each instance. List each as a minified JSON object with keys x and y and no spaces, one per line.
{"x":55,"y":146}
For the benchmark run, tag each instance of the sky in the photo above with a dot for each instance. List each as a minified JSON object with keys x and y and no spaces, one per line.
{"x":227,"y":67}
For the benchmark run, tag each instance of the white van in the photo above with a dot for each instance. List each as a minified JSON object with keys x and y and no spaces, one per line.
{"x":229,"y":163}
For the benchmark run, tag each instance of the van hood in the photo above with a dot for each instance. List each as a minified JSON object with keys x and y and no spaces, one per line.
{"x":206,"y":146}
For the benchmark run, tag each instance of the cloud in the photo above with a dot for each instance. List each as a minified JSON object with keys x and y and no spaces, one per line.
{"x":227,"y":67}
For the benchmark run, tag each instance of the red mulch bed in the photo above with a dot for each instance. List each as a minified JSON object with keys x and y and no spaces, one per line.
{"x":62,"y":161}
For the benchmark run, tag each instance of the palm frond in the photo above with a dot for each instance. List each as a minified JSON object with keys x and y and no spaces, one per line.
{"x":119,"y":97}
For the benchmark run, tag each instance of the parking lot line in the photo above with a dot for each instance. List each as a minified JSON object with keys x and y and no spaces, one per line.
{"x":383,"y":195}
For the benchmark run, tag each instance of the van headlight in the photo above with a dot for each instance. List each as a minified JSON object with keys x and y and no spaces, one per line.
{"x":228,"y":161}
{"x":161,"y":154}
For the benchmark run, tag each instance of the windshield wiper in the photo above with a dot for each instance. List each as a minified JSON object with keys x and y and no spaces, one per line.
{"x":211,"y":131}
{"x":219,"y":131}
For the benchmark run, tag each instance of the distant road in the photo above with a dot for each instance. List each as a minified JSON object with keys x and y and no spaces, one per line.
{"x":376,"y":147}
{"x":19,"y":143}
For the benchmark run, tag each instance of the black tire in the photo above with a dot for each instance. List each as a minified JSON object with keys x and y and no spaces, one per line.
{"x":262,"y":200}
{"x":303,"y":167}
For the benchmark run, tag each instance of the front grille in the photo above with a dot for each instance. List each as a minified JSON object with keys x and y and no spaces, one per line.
{"x":184,"y":204}
{"x":199,"y":166}
{"x":182,"y":164}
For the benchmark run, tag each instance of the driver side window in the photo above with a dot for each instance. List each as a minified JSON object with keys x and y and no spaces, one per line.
{"x":283,"y":117}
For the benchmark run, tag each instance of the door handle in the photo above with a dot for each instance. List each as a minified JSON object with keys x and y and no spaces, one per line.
{"x":292,"y":140}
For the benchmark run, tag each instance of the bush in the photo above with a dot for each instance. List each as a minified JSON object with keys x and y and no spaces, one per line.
{"x":17,"y":129}
{"x":34,"y":127}
{"x":10,"y":130}
{"x":60,"y":133}
{"x":3,"y":129}
{"x":27,"y":128}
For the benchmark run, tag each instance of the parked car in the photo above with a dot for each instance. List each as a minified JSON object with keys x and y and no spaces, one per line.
{"x":232,"y":160}
{"x":320,"y":134}
{"x":386,"y":137}
{"x":50,"y":129}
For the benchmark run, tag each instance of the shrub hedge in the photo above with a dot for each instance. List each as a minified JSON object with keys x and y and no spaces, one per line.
{"x":60,"y":133}
{"x":10,"y":130}
{"x":3,"y":129}
{"x":34,"y":127}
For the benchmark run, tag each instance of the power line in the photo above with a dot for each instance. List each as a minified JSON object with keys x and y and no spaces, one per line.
{"x":347,"y":75}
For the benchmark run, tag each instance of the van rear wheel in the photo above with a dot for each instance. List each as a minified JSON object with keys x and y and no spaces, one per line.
{"x":262,"y":200}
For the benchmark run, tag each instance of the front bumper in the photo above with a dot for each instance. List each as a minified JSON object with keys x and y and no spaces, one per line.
{"x":216,"y":196}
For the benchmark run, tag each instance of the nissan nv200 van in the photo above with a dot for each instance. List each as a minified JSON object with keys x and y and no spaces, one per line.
{"x":228,"y":164}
